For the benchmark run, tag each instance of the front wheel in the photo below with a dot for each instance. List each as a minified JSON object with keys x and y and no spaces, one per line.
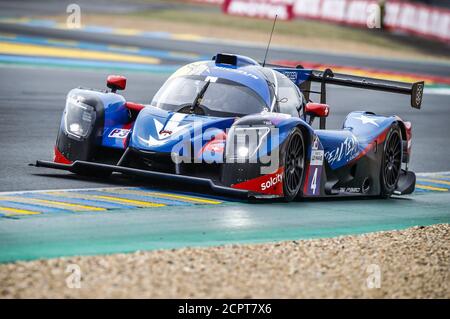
{"x":294,"y":163}
{"x":391,"y":161}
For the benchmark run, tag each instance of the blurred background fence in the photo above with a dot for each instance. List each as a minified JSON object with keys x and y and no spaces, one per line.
{"x":427,"y":18}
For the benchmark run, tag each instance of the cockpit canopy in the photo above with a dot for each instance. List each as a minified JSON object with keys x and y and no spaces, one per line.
{"x":230,"y":91}
{"x":221,"y":98}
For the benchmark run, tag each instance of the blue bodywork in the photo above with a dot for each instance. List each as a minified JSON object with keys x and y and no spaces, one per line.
{"x":340,"y":146}
{"x":248,"y":126}
{"x":252,"y":123}
{"x":360,"y":129}
{"x":151,"y":121}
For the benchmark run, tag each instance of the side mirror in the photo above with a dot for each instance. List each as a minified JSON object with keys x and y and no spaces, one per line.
{"x":317,"y":109}
{"x":116,"y":82}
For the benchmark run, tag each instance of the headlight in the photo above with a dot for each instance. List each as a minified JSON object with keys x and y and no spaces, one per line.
{"x":244,"y":142}
{"x":242,"y":151}
{"x":79,"y":117}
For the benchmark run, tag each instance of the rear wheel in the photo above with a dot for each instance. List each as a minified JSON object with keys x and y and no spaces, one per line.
{"x":391,"y":162}
{"x":294,"y":163}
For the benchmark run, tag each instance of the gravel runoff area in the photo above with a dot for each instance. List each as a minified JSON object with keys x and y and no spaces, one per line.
{"x":411,"y":263}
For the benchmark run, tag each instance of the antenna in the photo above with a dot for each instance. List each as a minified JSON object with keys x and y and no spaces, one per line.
{"x":270,"y":39}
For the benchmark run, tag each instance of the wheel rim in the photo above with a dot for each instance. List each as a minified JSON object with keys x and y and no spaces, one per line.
{"x":294,"y":164}
{"x":392,"y":159}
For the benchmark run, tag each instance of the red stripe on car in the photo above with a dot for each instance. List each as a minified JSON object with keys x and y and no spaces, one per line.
{"x":59,"y":157}
{"x":270,"y":184}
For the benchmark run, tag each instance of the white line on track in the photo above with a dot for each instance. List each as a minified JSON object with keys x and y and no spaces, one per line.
{"x":65,"y":190}
{"x":437,"y":91}
{"x":433,"y":174}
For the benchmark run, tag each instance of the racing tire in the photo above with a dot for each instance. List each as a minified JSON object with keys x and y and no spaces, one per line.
{"x":293,"y":160}
{"x":391,"y":161}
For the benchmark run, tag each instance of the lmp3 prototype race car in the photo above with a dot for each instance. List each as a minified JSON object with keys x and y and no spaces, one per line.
{"x":242,"y":129}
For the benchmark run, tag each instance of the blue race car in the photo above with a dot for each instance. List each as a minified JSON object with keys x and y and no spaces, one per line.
{"x":242,"y":129}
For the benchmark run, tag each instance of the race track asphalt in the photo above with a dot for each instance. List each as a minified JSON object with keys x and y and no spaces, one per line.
{"x":62,"y":234}
{"x":31,"y":102}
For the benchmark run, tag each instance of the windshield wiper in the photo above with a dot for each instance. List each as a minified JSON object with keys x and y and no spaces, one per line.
{"x":199,"y":97}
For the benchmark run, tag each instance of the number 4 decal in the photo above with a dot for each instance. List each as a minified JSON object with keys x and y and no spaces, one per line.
{"x":314,"y":182}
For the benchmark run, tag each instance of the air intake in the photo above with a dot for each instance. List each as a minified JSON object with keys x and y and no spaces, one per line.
{"x":229,"y":59}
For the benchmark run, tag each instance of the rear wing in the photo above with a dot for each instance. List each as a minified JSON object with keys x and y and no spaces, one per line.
{"x":304,"y":77}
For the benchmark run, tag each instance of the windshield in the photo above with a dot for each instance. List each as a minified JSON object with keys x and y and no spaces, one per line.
{"x":221,"y":98}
